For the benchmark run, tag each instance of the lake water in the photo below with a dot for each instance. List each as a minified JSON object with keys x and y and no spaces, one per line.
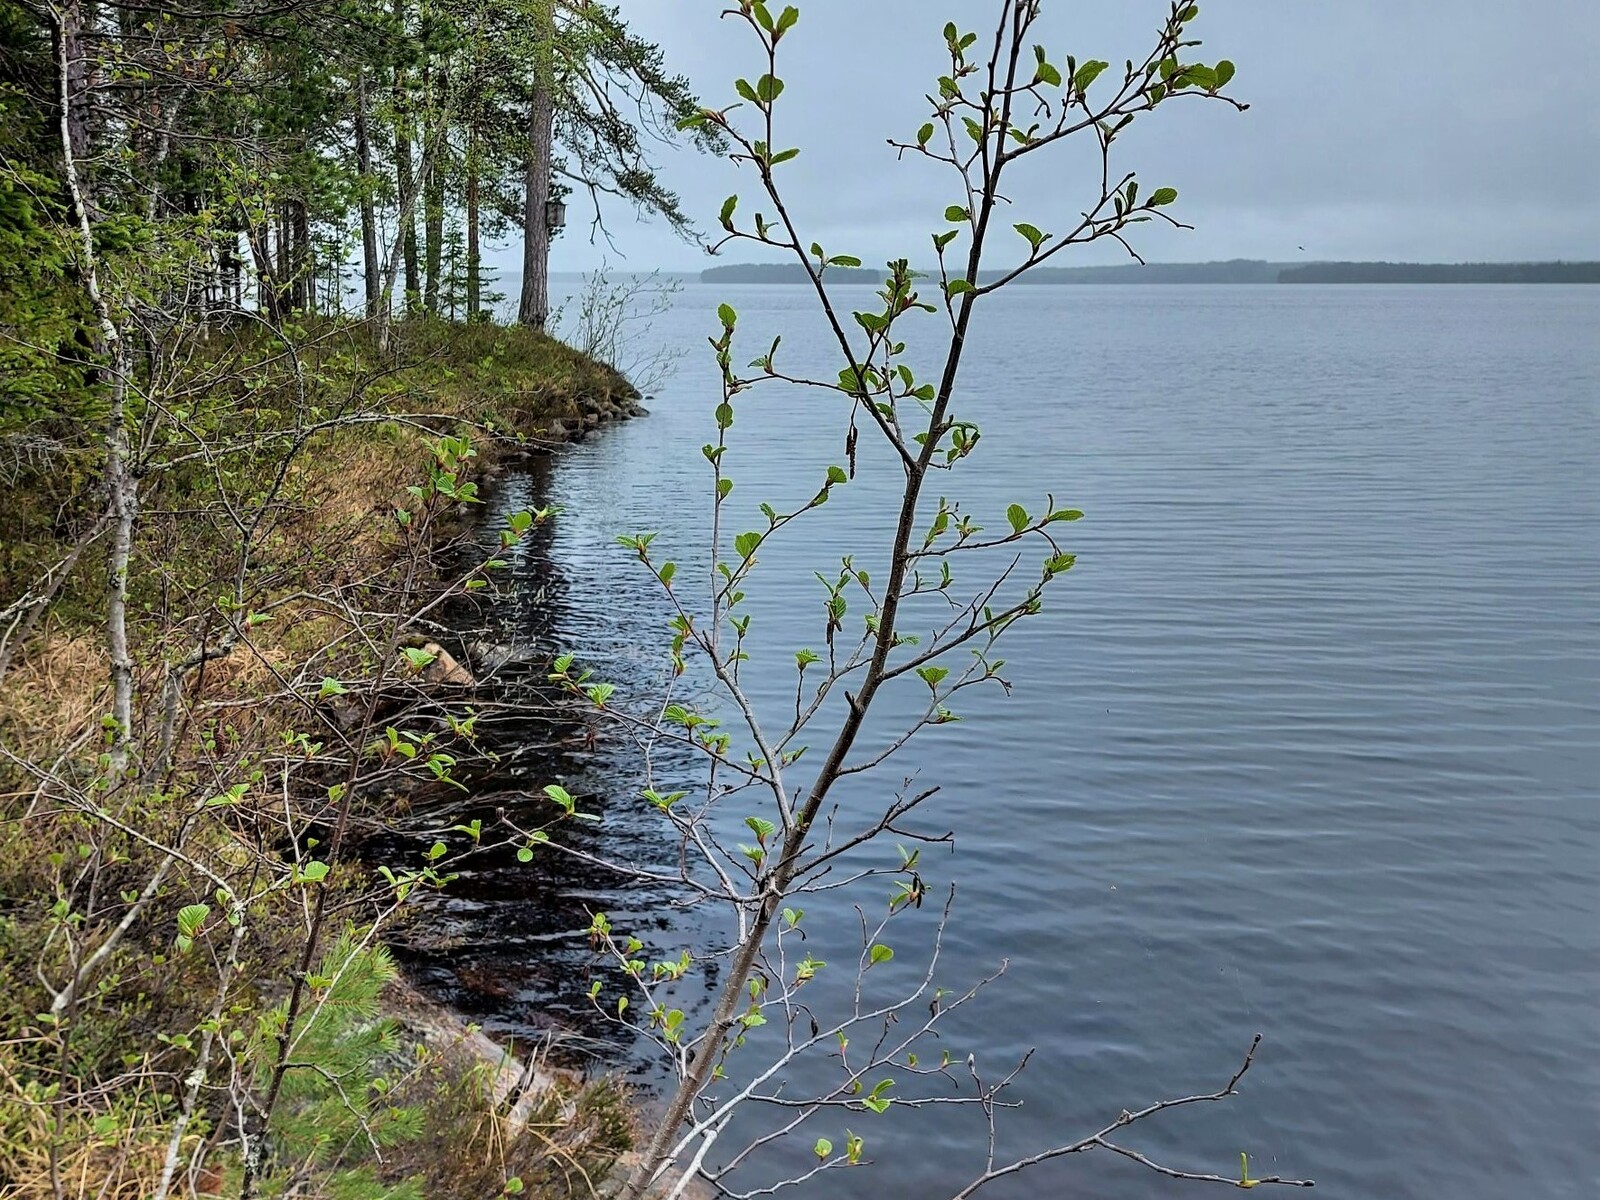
{"x":1307,"y":744}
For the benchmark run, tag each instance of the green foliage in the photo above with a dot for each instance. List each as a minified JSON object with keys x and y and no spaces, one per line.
{"x":334,"y":1108}
{"x":46,"y":360}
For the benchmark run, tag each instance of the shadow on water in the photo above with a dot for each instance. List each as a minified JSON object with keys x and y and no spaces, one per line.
{"x":506,"y":943}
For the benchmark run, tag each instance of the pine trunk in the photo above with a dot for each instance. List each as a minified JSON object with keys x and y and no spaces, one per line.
{"x":474,"y":260}
{"x":405,"y":179}
{"x":433,"y":194}
{"x":370,"y":266}
{"x":433,"y":234}
{"x":534,"y":310}
{"x":304,"y":262}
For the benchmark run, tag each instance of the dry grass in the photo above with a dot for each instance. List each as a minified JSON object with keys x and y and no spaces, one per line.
{"x":110,"y":1153}
{"x":55,"y":693}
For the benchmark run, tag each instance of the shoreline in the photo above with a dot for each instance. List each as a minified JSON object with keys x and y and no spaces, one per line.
{"x":518,"y":397}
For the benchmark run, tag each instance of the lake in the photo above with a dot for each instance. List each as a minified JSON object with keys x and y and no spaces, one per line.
{"x":1308,"y":743}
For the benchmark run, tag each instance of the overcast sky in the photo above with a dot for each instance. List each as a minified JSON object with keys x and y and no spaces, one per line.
{"x":1379,"y":129}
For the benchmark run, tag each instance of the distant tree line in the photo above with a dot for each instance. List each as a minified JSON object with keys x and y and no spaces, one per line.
{"x":1239,"y":270}
{"x":1387,"y":272}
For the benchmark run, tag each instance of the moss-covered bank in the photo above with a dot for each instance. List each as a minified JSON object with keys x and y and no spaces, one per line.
{"x":298,"y":521}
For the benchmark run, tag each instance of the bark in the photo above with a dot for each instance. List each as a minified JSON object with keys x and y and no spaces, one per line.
{"x":281,"y":269}
{"x":433,"y":201}
{"x":303,"y":262}
{"x":257,"y":235}
{"x":370,"y":267}
{"x":433,"y":234}
{"x":534,"y":309}
{"x":474,"y":257}
{"x":74,"y":70}
{"x":196,"y":1081}
{"x":408,"y":212}
{"x":406,"y":181}
{"x":158,"y":158}
{"x":121,"y":487}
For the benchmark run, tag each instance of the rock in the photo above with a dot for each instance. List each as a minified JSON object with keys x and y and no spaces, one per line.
{"x":444,"y":670}
{"x":489,"y":658}
{"x":517,"y":1084}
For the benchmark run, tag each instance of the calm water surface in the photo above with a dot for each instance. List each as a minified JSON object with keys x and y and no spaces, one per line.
{"x":1307,"y":744}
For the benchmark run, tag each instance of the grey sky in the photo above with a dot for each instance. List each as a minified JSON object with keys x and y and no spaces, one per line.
{"x":1399,"y":129}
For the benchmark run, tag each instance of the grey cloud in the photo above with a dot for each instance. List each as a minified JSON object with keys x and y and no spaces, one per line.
{"x":1378,"y":128}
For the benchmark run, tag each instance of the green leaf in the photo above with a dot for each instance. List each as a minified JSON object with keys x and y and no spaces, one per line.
{"x":877,"y":1100}
{"x":925,"y":134}
{"x":880,"y":954}
{"x":933,"y":676}
{"x":1048,"y":73}
{"x":1060,"y":563}
{"x":769,"y":88}
{"x":727,"y":316}
{"x":745,"y":544}
{"x":728,"y":207}
{"x":823,"y":1149}
{"x":784,"y":156}
{"x":787,"y":20}
{"x":1224,"y":72}
{"x":844,"y":260}
{"x":1088,"y":73}
{"x":1032,"y":234}
{"x":233,"y":795}
{"x":1017,"y":516}
{"x":313,"y":872}
{"x":419,"y":659}
{"x":191,"y":917}
{"x":525,"y":855}
{"x":955,"y":213}
{"x":562,"y":797}
{"x":1162,"y":196}
{"x":331,"y":687}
